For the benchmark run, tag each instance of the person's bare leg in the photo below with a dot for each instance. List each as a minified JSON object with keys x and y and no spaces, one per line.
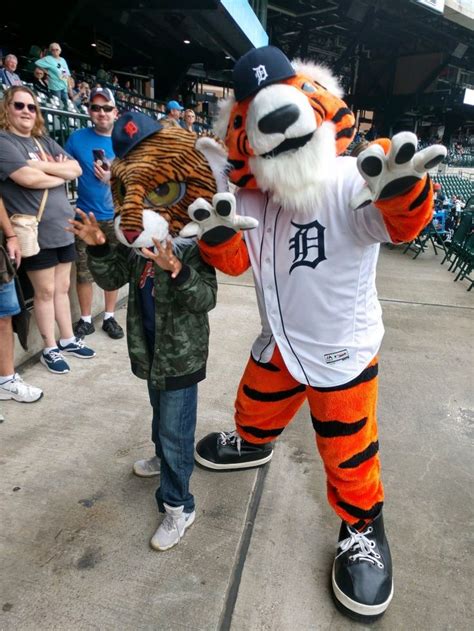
{"x":6,"y":344}
{"x":43,"y":284}
{"x":84,"y":295}
{"x":110,"y":300}
{"x":62,"y":305}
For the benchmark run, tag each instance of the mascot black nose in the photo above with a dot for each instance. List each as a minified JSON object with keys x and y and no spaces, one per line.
{"x":278,"y":121}
{"x":131,"y":235}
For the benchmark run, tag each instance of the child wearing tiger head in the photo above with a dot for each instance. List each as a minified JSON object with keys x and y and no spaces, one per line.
{"x":171,"y":291}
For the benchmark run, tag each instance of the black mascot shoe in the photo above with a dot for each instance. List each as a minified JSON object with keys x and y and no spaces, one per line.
{"x":362,"y":572}
{"x":226,"y":450}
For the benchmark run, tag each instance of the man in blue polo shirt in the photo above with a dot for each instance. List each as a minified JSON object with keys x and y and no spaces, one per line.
{"x":92,"y":148}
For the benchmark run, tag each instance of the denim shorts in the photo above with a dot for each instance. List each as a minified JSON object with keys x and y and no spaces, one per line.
{"x":9,"y":305}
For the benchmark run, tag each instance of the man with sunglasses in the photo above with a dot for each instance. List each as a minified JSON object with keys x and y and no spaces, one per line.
{"x":92,"y":148}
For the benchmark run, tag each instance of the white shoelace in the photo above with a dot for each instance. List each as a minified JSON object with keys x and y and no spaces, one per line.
{"x":361,"y":545}
{"x":230,"y":438}
{"x":79,"y":342}
{"x":55,"y":356}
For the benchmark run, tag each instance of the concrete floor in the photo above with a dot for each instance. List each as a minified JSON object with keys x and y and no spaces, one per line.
{"x":75,"y":523}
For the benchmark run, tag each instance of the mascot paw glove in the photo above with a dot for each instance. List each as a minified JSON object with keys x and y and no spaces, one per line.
{"x":392,"y":168}
{"x":216,"y":223}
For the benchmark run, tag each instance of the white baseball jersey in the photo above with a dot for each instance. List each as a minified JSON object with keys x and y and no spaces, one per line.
{"x":315,"y":280}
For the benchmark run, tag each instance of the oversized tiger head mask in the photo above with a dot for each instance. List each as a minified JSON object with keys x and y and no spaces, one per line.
{"x":285,"y":126}
{"x":157,"y":174}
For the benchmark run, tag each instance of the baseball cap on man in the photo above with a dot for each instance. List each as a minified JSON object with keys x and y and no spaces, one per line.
{"x":173,"y":105}
{"x":258,"y":68}
{"x":105,"y":92}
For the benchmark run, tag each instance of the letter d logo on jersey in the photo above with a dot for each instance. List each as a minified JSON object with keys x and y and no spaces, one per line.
{"x":308,"y":244}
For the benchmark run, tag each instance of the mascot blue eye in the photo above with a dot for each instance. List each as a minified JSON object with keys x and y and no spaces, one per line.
{"x":167,"y":194}
{"x":307,"y":87}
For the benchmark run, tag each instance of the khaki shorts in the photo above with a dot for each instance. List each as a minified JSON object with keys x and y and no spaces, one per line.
{"x":83,"y":274}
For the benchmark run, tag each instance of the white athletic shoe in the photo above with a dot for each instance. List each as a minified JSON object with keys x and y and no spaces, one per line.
{"x":172,"y":528}
{"x":147,"y":468}
{"x":18,"y":390}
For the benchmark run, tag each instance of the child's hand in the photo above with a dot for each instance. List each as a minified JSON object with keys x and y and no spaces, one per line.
{"x":88,"y":229}
{"x":164,"y":257}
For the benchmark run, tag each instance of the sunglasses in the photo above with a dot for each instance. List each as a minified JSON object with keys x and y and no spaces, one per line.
{"x":104,"y":108}
{"x":19,"y":106}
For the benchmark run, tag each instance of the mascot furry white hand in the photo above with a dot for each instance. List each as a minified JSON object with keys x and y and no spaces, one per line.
{"x":321,"y":219}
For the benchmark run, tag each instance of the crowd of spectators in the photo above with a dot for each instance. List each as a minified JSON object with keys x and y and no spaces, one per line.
{"x":58,"y":87}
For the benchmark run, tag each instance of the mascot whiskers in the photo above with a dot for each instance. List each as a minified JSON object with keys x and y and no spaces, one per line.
{"x":321,"y":219}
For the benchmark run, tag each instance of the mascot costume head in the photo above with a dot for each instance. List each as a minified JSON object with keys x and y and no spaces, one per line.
{"x":285,"y":126}
{"x":158,"y":172}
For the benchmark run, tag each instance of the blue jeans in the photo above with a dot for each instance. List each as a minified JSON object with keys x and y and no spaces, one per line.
{"x":172,"y":431}
{"x":61,"y":94}
{"x":9,"y":305}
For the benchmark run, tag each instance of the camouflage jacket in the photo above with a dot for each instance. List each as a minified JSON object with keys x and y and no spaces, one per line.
{"x":181,"y":306}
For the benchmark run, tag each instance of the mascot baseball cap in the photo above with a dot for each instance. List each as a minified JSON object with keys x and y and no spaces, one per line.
{"x":130,"y":129}
{"x":105,"y":92}
{"x":258,"y":68}
{"x":173,"y":105}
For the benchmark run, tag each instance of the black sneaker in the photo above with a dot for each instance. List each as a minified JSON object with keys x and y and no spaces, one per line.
{"x":362,"y":572}
{"x":113,"y":328}
{"x":83,"y":328}
{"x":226,"y":450}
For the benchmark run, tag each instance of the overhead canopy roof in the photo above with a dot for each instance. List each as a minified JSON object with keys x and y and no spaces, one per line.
{"x":148,"y":35}
{"x":369,"y":43}
{"x":332,"y":29}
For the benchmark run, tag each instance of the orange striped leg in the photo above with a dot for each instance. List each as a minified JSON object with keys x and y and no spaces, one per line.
{"x":345,"y":422}
{"x":267,"y":399}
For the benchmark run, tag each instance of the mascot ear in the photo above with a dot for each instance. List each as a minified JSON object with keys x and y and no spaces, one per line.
{"x":222,"y":121}
{"x":216,"y":154}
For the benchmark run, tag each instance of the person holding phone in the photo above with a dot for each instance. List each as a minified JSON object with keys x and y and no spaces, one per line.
{"x":92,"y":148}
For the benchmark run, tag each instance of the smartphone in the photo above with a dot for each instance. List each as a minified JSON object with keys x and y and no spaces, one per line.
{"x":99,"y":156}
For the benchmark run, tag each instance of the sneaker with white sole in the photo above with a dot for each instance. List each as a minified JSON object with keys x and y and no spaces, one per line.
{"x":147,"y":468}
{"x":362,"y":582}
{"x":226,"y":450}
{"x":54,"y":362}
{"x":78,"y":349}
{"x":18,"y":390}
{"x":172,"y":528}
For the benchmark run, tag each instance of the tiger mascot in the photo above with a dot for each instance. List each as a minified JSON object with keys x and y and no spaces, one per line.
{"x":157,"y":173}
{"x":321,"y":219}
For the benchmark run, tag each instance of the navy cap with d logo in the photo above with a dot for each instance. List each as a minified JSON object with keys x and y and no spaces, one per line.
{"x":258,"y":68}
{"x":130,"y":129}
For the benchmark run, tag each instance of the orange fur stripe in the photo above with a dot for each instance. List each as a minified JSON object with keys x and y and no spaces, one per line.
{"x":230,"y":257}
{"x":344,"y":420}
{"x":403,"y":216}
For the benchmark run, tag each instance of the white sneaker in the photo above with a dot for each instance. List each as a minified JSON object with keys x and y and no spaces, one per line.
{"x":18,"y":390}
{"x":147,"y":468}
{"x":172,"y":528}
